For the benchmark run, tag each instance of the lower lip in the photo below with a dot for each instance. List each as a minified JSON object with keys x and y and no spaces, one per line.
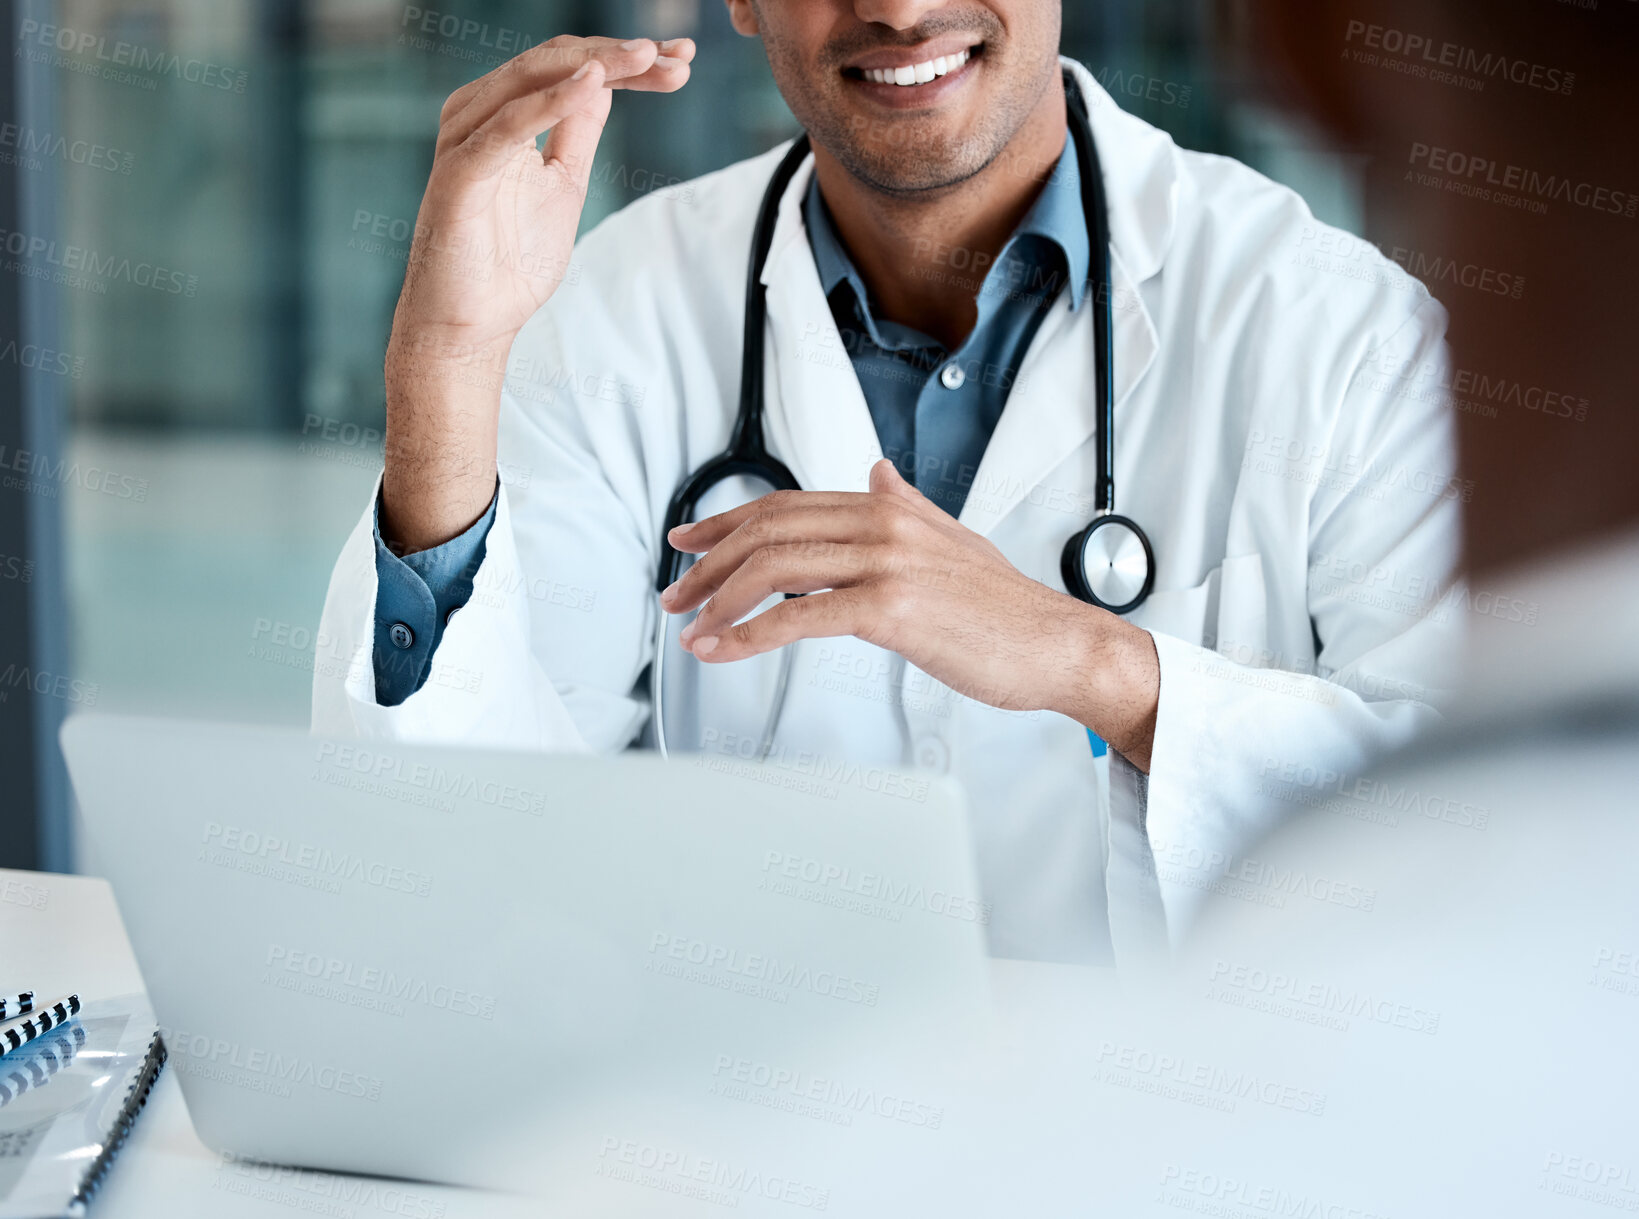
{"x":916,"y":97}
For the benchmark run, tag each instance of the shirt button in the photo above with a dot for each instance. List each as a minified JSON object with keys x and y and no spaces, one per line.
{"x":401,"y":635}
{"x":932,"y":754}
{"x":952,"y":376}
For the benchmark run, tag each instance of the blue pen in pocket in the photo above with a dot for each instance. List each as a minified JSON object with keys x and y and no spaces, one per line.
{"x":1097,"y":742}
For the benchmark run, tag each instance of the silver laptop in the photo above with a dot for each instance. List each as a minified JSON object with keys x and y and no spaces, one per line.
{"x":547,"y":973}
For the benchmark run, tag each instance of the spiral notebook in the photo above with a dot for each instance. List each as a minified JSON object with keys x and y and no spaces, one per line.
{"x":67,"y":1102}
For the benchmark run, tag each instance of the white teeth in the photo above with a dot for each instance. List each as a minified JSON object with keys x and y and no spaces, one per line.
{"x":918,"y":74}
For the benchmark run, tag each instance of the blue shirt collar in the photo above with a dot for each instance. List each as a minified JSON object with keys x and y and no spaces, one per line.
{"x":1056,"y":217}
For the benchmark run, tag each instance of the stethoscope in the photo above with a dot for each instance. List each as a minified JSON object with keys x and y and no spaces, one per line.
{"x":1108,"y":564}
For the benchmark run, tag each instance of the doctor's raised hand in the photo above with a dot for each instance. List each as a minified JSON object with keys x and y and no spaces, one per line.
{"x":493,"y":240}
{"x":892,"y":568}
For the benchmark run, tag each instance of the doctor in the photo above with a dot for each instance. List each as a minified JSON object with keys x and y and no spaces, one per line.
{"x":952,"y":369}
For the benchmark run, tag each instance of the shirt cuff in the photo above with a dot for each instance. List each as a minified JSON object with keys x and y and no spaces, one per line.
{"x":415,"y":596}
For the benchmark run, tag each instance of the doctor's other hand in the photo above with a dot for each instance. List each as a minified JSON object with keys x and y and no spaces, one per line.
{"x":891,"y":568}
{"x":492,"y":242}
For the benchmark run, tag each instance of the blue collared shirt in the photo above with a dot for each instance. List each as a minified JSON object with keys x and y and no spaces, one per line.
{"x":934,"y":409}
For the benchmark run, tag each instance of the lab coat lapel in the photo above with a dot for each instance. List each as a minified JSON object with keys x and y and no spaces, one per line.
{"x":1053,"y":409}
{"x":817,"y":421}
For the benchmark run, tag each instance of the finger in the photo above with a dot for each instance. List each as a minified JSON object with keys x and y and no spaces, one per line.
{"x":678,"y":48}
{"x":538,"y":68}
{"x":822,"y":616}
{"x":573,"y":142}
{"x":801,"y":567}
{"x":669,"y":73}
{"x":521,"y":120}
{"x":887,"y":480}
{"x":703,"y":535}
{"x":808,"y":523}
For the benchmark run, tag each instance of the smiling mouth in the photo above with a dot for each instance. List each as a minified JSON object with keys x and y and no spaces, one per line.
{"x":911,"y":75}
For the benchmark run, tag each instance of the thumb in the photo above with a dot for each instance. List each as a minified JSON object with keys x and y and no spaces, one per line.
{"x":886,"y":480}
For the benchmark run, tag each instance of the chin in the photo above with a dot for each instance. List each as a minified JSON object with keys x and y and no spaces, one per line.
{"x":922,"y":162}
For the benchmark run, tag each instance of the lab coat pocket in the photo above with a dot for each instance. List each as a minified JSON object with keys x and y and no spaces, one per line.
{"x":1227,"y":610}
{"x":1242,"y":617}
{"x":1189,"y":614}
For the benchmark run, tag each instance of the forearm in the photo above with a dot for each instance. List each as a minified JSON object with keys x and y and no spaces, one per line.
{"x":442,"y":419}
{"x":1112,"y":681}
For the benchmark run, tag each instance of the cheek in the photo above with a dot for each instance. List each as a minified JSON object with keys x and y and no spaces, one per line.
{"x":800,"y":84}
{"x":1031,"y":23}
{"x":795,"y":36}
{"x":1034,"y":35}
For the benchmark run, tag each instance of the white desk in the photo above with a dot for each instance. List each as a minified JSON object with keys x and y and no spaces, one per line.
{"x":1070,"y":1109}
{"x":75,"y":940}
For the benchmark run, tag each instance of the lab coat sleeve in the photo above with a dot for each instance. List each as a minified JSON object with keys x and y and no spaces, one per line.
{"x":547,"y":652}
{"x":1242,"y":742}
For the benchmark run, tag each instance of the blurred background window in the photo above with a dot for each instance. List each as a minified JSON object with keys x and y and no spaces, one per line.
{"x":228,"y":216}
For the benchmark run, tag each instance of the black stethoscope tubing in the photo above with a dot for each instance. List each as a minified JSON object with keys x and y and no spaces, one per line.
{"x":747,"y":454}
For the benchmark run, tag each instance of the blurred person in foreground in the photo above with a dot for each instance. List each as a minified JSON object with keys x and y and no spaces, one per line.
{"x":1472,"y":1021}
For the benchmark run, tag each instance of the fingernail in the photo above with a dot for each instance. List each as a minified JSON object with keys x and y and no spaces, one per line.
{"x":582,"y":70}
{"x":636,"y":44}
{"x":688,"y":634}
{"x":667,"y":61}
{"x":679,"y":530}
{"x":671,"y":44}
{"x":706,"y":646}
{"x":669,"y":592}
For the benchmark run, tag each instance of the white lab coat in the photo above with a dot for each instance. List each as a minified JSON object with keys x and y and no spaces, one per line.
{"x":1276,"y":435}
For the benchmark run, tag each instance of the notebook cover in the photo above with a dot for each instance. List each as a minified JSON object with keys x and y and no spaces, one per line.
{"x":68,"y":1101}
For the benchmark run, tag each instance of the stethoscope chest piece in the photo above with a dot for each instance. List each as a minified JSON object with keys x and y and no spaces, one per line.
{"x":1109,"y":564}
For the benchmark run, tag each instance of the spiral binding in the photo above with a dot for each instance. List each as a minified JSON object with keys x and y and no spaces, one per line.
{"x":135,"y":1099}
